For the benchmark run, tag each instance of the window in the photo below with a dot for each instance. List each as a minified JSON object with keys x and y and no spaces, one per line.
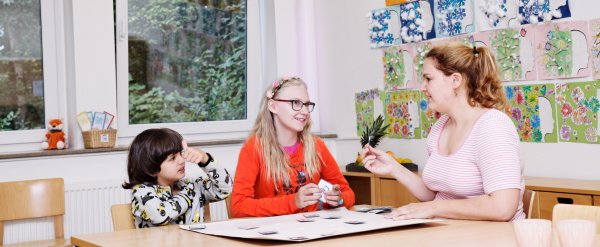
{"x":185,"y":65}
{"x":28,"y":71}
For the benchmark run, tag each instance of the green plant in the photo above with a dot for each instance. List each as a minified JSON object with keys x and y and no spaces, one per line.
{"x":373,"y":134}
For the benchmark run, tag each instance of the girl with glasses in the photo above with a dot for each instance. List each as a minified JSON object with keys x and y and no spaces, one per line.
{"x":281,"y":163}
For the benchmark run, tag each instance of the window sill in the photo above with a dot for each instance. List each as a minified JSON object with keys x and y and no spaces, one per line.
{"x":44,"y":153}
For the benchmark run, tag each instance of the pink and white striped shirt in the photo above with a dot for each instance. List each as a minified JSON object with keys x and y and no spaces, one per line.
{"x":487,"y":161}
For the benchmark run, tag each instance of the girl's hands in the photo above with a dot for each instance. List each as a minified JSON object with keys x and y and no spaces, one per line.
{"x":307,"y":195}
{"x":377,"y":161}
{"x":193,"y":155}
{"x":333,"y":196}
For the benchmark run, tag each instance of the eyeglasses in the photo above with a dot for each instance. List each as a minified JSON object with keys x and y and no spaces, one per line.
{"x":298,"y":104}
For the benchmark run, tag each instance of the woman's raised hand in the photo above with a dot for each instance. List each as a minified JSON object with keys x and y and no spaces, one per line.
{"x":377,"y":161}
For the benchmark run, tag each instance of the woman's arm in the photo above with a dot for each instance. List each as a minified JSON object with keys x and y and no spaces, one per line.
{"x":160,"y":210}
{"x":379,"y":162}
{"x":497,"y":206}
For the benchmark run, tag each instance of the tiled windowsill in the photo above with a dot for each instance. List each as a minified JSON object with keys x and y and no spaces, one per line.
{"x":44,"y":153}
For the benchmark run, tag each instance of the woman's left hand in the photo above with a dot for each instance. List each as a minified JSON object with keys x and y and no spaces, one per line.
{"x":420,"y":210}
{"x":193,"y":155}
{"x":333,"y":196}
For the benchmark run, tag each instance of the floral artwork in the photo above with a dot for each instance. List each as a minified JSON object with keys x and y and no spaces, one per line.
{"x":381,"y":23}
{"x":398,"y":67}
{"x":532,"y":110}
{"x":428,"y":116}
{"x":513,"y":50}
{"x":402,"y":114}
{"x":494,"y":14}
{"x":595,"y":47}
{"x":420,"y":50}
{"x":578,"y":106}
{"x":534,"y":11}
{"x":416,"y":21}
{"x":364,"y":109}
{"x":562,"y":50}
{"x":453,"y":17}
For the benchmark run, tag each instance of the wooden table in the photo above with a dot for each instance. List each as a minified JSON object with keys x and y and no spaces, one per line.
{"x":446,"y":233}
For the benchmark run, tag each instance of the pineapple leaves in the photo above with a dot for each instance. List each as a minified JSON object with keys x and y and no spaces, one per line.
{"x":372,"y":134}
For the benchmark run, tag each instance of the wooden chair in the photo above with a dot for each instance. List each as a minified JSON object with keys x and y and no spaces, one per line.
{"x":34,"y":199}
{"x":122,"y":218}
{"x":528,"y":202}
{"x":571,"y":211}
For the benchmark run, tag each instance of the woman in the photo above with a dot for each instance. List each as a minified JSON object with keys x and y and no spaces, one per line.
{"x":473,"y":171}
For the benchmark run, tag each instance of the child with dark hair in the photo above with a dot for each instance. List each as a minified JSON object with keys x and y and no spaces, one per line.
{"x":160,"y":193}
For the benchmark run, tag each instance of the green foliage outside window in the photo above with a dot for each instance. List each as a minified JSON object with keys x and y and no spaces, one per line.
{"x":187,"y":61}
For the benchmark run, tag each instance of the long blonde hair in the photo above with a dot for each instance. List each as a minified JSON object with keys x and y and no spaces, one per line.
{"x":478,"y":66}
{"x":275,"y":160}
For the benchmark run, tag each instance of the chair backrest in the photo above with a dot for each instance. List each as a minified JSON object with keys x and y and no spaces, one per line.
{"x":570,"y":211}
{"x":33,"y":199}
{"x":528,"y":202}
{"x":122,"y":218}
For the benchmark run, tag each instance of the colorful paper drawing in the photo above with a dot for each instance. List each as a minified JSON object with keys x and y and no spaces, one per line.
{"x":428,"y":116}
{"x":514,"y":52}
{"x":384,"y":27}
{"x":532,"y":109}
{"x":398,"y":68}
{"x":416,"y":21}
{"x":578,"y":106}
{"x":365,"y":109}
{"x":420,"y":49}
{"x":534,"y":11}
{"x":562,"y":50}
{"x":595,"y":47}
{"x":401,"y":112}
{"x":453,"y":17}
{"x":494,"y":14}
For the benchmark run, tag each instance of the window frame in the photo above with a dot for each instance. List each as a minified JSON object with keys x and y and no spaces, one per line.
{"x":211,"y":130}
{"x":53,"y":65}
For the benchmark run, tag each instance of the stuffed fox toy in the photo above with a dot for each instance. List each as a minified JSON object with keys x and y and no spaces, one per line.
{"x":55,"y":137}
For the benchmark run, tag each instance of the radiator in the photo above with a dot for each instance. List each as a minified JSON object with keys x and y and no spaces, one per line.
{"x":87,"y":210}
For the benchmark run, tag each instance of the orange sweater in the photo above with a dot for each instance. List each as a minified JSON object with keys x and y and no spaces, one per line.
{"x":254,"y":195}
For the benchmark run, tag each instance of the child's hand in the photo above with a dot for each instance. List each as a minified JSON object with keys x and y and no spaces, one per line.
{"x":307,"y":195}
{"x":334,"y":196}
{"x":193,"y":155}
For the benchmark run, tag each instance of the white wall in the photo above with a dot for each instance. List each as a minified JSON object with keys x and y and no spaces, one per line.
{"x":347,"y":65}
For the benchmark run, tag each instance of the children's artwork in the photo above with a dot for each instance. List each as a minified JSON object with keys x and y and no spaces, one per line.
{"x":401,"y":112}
{"x":420,"y":50}
{"x":595,"y":47}
{"x":453,"y":17}
{"x":578,"y":106}
{"x":494,"y":14}
{"x":384,"y":27}
{"x":428,"y":116}
{"x":532,"y":109}
{"x":513,"y":50}
{"x":395,"y":2}
{"x":398,"y":68}
{"x":534,"y":11}
{"x":416,"y":21}
{"x":562,"y":50}
{"x":365,"y":109}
